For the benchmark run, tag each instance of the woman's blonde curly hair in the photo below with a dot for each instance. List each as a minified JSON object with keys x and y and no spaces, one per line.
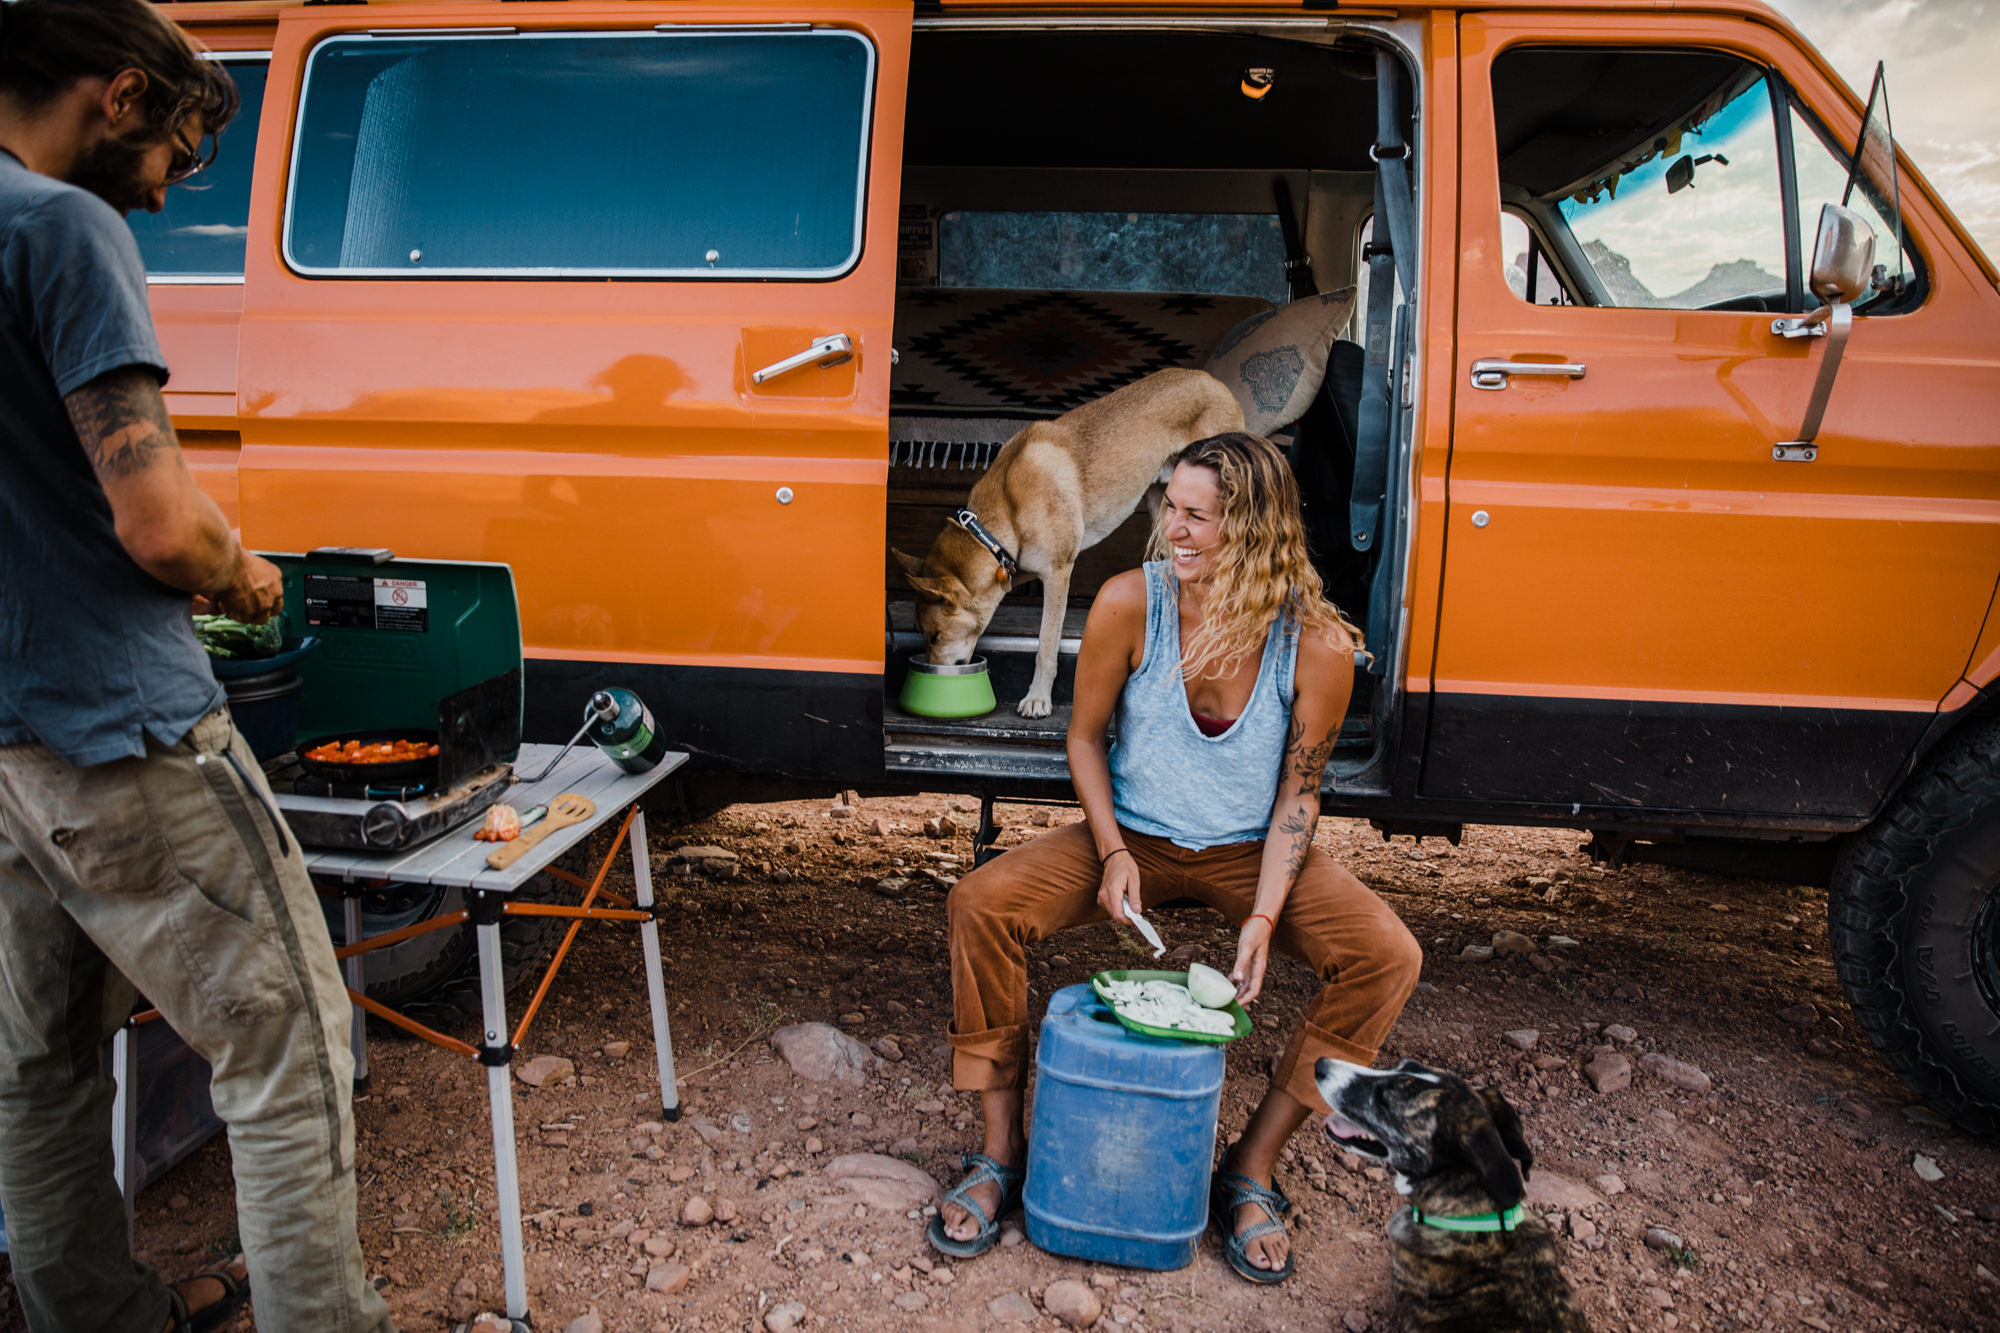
{"x":1263,"y":568}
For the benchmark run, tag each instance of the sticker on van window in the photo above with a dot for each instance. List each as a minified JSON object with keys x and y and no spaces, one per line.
{"x":401,"y":604}
{"x":916,"y":246}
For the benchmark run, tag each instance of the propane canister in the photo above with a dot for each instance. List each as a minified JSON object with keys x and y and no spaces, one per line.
{"x":623,"y":728}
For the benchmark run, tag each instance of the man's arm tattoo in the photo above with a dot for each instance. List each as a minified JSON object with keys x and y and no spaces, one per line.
{"x":122,"y":421}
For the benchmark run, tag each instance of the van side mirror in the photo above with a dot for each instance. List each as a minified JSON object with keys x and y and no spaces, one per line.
{"x":1843,"y":262}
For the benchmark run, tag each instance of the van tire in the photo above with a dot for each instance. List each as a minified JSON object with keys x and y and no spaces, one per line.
{"x":1914,"y":917}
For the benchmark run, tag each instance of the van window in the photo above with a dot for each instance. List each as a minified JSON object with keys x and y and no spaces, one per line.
{"x":1528,"y":270}
{"x":1214,"y":254}
{"x":653,"y":154}
{"x":1822,"y":173}
{"x":1655,"y":170}
{"x":199,"y":235}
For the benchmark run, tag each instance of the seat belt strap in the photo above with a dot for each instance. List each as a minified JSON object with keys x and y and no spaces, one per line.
{"x":1390,"y":256}
{"x":1298,"y":264}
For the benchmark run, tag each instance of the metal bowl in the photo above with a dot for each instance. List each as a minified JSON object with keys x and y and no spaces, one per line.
{"x":960,"y":690}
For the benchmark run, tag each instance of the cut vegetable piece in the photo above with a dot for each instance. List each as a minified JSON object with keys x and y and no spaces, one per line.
{"x":1209,"y":987}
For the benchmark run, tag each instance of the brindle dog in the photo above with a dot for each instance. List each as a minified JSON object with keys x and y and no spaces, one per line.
{"x":1454,"y":1151}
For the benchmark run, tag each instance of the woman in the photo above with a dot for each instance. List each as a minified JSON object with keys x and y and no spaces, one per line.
{"x":1229,"y":673}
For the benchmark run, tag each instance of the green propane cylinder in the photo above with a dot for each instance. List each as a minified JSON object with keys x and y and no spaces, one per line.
{"x":619,"y":724}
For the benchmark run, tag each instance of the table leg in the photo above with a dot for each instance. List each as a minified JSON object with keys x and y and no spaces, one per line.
{"x":656,"y":986}
{"x":358,"y":1031}
{"x":497,"y":1054}
{"x":125,"y":1118}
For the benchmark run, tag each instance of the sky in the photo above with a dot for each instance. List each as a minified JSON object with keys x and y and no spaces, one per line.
{"x":1944,"y":94}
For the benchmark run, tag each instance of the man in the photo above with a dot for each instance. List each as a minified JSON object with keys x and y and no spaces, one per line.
{"x":139,"y":847}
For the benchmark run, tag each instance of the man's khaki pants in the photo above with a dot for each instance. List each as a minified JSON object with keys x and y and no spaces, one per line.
{"x":168,"y":874}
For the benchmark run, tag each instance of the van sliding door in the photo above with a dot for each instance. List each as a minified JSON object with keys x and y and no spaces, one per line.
{"x":605,"y":293}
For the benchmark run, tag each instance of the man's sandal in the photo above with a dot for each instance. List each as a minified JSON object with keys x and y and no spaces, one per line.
{"x":980,"y":1170}
{"x":235,"y":1291}
{"x":1229,"y":1191}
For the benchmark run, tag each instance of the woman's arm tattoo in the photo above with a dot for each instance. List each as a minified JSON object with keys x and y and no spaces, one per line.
{"x":1309,"y":765}
{"x":122,"y":421}
{"x":1298,"y":826}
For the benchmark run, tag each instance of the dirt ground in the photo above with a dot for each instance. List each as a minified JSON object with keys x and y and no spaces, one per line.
{"x":1792,"y":1185}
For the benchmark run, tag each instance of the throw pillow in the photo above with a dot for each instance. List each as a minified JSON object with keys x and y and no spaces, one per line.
{"x":1274,"y":362}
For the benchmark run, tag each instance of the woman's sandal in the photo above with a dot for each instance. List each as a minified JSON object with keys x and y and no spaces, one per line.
{"x":979,"y":1170}
{"x":1229,"y":1191}
{"x":235,"y":1291}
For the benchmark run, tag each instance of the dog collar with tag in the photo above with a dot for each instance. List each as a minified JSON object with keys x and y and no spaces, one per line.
{"x":976,"y":530}
{"x":1506,"y":1221}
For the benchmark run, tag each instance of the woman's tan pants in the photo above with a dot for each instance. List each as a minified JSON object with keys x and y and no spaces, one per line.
{"x":1363,"y":952}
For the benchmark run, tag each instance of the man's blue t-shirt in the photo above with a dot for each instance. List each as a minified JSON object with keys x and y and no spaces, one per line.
{"x":95,"y":653}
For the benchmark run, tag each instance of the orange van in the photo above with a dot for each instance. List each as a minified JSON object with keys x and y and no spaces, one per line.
{"x":1658,"y":456}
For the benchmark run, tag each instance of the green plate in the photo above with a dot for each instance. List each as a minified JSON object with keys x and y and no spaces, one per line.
{"x":1233,"y":1009}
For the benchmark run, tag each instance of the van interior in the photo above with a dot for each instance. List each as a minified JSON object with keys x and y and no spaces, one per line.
{"x":1080,"y":209}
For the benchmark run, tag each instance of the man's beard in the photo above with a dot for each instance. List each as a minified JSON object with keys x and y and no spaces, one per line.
{"x":110,"y":169}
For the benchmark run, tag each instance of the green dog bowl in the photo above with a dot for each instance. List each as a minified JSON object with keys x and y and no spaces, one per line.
{"x":964,"y":690}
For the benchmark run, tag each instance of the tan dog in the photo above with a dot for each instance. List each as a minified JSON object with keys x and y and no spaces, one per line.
{"x":1055,"y":490}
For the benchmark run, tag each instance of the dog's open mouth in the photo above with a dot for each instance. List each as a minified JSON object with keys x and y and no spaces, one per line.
{"x":1353,"y":1137}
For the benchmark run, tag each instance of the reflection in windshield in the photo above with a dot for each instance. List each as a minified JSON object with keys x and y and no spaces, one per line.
{"x":1719,"y":238}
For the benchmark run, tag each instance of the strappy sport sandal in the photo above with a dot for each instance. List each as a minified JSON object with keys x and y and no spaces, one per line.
{"x":235,"y":1291}
{"x":1229,"y":1191}
{"x":979,"y":1170}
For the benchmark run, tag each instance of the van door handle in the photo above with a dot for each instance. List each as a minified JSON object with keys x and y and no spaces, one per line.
{"x":1492,"y":373}
{"x":831,"y":350}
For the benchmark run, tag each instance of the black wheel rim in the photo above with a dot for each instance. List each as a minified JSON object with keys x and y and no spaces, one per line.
{"x":1986,"y":950}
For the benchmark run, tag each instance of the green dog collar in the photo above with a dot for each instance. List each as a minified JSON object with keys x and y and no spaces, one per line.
{"x":1506,"y":1221}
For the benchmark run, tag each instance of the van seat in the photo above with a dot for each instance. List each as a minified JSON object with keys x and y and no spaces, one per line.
{"x":1002,"y":354}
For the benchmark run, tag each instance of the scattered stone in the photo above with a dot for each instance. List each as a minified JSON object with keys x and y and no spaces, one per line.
{"x":861,"y":1120}
{"x":813,"y":1145}
{"x":617,"y":1050}
{"x":698,"y":1213}
{"x":820,"y":1052}
{"x":784,"y":1318}
{"x":887,"y":1048}
{"x":1628,"y":992}
{"x":1686,"y":1077}
{"x":725,"y":1211}
{"x":1923,"y":1115}
{"x":1608,"y":1184}
{"x":1042,"y":817}
{"x":1659,"y":1238}
{"x":585,"y":1323}
{"x":714,"y":862}
{"x":840,"y":812}
{"x":1476,"y":953}
{"x":1823,"y":1048}
{"x":891,"y":887}
{"x":544,"y":1070}
{"x":1621,"y":1034}
{"x":878,"y":826}
{"x":1852,"y":1109}
{"x":944,"y":1277}
{"x":1548,"y":1190}
{"x":1561,"y":943}
{"x":1012,"y":1236}
{"x":1011,"y":1308}
{"x":1073,"y":1302}
{"x":1522,"y":1038}
{"x":1356,"y":1321}
{"x":885,"y":1182}
{"x":1799,"y":1015}
{"x":1511,"y":942}
{"x":930,"y":1106}
{"x":1926,"y":1169}
{"x":180,"y":1203}
{"x":1989,"y":1211}
{"x":1608,"y":1072}
{"x":657,"y":1247}
{"x":1124,"y":1314}
{"x":1581,"y":1227}
{"x":1542,"y":963}
{"x":911,"y":1301}
{"x":852,"y":1019}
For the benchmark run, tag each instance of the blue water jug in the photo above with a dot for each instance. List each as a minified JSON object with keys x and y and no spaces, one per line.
{"x":1122,"y":1138}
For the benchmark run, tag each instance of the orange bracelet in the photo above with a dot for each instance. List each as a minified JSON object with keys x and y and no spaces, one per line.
{"x":1267,"y":916}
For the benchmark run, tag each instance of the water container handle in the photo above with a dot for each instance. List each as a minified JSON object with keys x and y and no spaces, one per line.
{"x":1092,"y":1005}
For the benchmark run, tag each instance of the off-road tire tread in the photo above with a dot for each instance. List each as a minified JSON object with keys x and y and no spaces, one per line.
{"x":1958,"y":784}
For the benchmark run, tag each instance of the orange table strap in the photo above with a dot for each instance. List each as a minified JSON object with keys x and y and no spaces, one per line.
{"x":411,"y":1025}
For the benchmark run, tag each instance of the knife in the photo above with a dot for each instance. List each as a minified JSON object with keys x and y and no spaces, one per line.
{"x":1145,"y":928}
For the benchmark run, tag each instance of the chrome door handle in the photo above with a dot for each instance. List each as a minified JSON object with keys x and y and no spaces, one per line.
{"x":831,"y":350}
{"x":1492,"y":373}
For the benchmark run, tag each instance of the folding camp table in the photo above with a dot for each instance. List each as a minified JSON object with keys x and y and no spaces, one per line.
{"x":456,"y":860}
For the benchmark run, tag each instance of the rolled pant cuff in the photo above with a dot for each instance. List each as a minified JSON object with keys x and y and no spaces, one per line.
{"x":991,"y":1061}
{"x":1295,"y":1071}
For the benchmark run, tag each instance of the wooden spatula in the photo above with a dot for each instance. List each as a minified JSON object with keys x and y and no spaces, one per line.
{"x":564,"y":810}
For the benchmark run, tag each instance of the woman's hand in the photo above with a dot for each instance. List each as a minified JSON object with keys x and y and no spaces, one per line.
{"x":1253,"y":951}
{"x":1120,"y":886}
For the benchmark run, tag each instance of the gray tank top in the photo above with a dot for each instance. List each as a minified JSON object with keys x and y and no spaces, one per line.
{"x":1169,"y":780}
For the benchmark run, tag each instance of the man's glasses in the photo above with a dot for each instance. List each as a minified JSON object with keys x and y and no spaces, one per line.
{"x":188,"y":161}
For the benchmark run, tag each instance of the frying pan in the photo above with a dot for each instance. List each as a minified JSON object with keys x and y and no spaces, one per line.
{"x":390,"y":774}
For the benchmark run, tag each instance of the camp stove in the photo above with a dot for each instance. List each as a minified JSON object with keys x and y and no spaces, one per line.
{"x":415,"y":647}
